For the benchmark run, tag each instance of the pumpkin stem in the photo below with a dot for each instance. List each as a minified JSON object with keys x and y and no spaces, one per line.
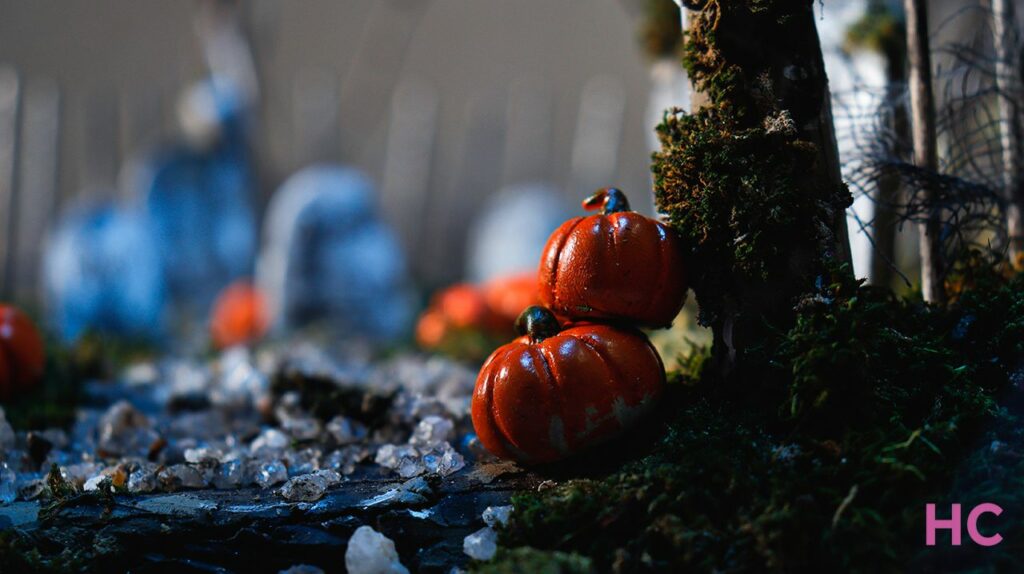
{"x":537,"y":322}
{"x":608,"y":200}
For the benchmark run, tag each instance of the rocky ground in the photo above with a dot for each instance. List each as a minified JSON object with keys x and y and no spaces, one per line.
{"x":258,"y":462}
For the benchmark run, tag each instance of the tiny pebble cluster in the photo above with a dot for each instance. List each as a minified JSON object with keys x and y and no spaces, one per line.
{"x":177,"y":424}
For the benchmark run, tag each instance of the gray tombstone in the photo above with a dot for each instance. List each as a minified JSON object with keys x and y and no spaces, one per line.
{"x":328,"y":259}
{"x":510,"y":233}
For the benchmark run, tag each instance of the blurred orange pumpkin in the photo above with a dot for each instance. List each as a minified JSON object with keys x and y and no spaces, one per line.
{"x":467,"y":321}
{"x":463,"y":306}
{"x":239,"y":315}
{"x":431,"y":328}
{"x":22,"y":355}
{"x":556,"y":391}
{"x":507,"y":296}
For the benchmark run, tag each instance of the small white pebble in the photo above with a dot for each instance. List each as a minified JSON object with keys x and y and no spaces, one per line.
{"x":370,"y":552}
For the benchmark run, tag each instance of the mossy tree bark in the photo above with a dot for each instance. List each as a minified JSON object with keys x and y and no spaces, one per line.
{"x":751,"y":179}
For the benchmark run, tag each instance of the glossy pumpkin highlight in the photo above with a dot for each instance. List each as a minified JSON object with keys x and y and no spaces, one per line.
{"x":554,"y":392}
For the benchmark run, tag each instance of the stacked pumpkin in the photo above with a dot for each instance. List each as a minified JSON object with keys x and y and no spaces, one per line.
{"x":581,"y":372}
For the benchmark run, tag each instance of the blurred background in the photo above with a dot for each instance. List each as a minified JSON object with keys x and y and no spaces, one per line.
{"x":439,"y":105}
{"x":346,"y":159}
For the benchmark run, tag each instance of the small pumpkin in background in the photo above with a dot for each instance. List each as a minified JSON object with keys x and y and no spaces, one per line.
{"x":616,"y":265}
{"x":507,"y":296}
{"x":239,"y":315}
{"x":469,"y":321}
{"x":555,"y":391}
{"x":463,"y":306}
{"x":431,"y":328}
{"x":22,"y":354}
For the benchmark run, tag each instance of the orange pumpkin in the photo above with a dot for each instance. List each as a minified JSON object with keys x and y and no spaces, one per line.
{"x":22,"y":355}
{"x":239,"y":315}
{"x":508,"y":295}
{"x":617,"y":265}
{"x":463,"y":305}
{"x":431,"y":328}
{"x":553,"y":391}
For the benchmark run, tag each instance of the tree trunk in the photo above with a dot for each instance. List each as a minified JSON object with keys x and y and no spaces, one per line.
{"x":1004,"y":28}
{"x":922,"y":107}
{"x":884,"y":223}
{"x":750,"y":178}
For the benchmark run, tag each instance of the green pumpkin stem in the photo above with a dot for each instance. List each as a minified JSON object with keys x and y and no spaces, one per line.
{"x":608,"y":200}
{"x":538,"y":323}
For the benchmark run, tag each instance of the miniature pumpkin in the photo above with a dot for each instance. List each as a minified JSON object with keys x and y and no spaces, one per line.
{"x":431,"y":328}
{"x":508,"y":295}
{"x":239,"y":315}
{"x":463,"y":306}
{"x":617,"y":265}
{"x":553,"y":392}
{"x":22,"y":356}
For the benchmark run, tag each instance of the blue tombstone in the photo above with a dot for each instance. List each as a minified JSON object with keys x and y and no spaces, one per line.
{"x":102,"y":273}
{"x":509,"y":234}
{"x":329,"y":259}
{"x":198,"y":197}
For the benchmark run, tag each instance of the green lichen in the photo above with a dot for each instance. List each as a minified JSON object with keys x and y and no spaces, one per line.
{"x":881,"y":404}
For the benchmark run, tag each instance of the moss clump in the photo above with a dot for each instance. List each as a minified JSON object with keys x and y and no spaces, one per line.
{"x":19,"y":553}
{"x":733,"y":194}
{"x":882,"y":404}
{"x":742,"y":179}
{"x":520,"y":560}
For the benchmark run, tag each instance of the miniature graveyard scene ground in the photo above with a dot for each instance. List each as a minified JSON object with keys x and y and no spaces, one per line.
{"x":257,"y":462}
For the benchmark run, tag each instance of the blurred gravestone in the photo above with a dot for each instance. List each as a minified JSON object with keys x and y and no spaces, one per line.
{"x":198,"y":197}
{"x":102,"y":273}
{"x":510,"y":233}
{"x":329,"y":259}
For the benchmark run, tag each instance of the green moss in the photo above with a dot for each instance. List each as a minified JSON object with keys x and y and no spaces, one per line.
{"x":882,"y":404}
{"x":732,"y":193}
{"x":19,"y":553}
{"x":520,"y":560}
{"x":54,"y":401}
